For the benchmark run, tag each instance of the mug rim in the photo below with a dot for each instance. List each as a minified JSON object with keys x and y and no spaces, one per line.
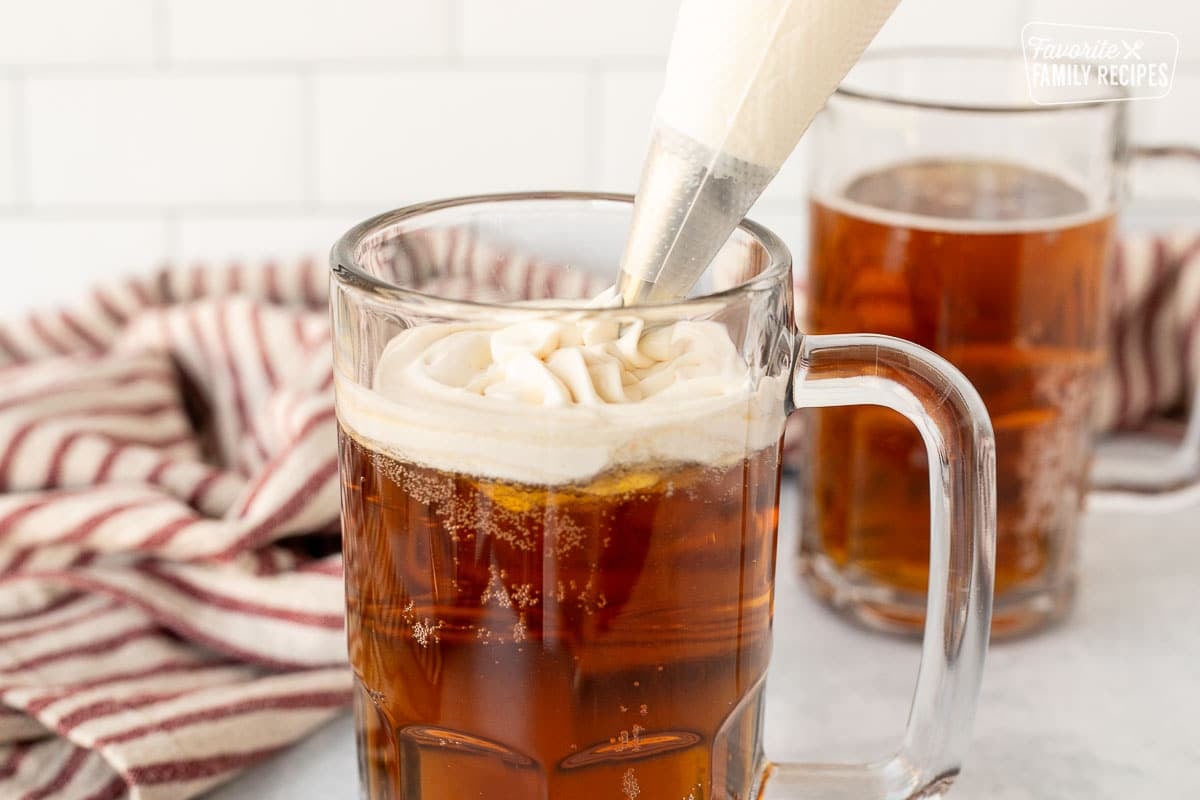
{"x":350,"y":274}
{"x":848,"y":90}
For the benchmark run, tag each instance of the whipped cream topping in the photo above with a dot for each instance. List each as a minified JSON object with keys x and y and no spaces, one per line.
{"x":560,"y":400}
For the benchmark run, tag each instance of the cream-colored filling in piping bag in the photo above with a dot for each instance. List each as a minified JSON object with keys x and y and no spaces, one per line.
{"x":744,"y":80}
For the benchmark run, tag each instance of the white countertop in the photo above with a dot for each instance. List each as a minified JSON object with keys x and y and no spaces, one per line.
{"x":1104,"y":706}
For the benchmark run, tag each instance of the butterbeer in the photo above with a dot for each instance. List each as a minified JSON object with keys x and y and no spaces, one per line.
{"x":559,"y":553}
{"x":999,"y":268}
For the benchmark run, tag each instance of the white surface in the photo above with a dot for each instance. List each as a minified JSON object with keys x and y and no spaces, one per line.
{"x":518,"y":29}
{"x":1181,"y":18}
{"x":53,"y":261}
{"x":76,"y":32}
{"x":1104,"y":707}
{"x":955,"y":23}
{"x":627,"y":98}
{"x":161,"y":142}
{"x":297,"y":30}
{"x":225,"y":238}
{"x":389,"y":139}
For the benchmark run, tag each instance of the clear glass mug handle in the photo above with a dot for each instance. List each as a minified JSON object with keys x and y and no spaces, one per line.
{"x":867,"y":369}
{"x":1122,"y":476}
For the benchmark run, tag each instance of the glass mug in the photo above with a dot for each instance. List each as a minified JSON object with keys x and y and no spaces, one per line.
{"x":564,"y":598}
{"x":949,"y":210}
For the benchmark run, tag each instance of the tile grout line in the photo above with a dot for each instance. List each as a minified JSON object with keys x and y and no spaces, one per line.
{"x":100,"y":213}
{"x":160,"y":30}
{"x":454,"y":32}
{"x":403,"y":64}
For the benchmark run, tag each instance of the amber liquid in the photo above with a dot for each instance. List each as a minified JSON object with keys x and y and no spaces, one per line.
{"x":606,"y":639}
{"x":1000,"y":269}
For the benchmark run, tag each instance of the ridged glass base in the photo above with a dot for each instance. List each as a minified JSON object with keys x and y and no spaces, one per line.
{"x":891,"y":610}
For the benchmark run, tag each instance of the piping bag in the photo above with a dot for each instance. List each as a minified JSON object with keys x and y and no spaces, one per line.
{"x":744,"y":80}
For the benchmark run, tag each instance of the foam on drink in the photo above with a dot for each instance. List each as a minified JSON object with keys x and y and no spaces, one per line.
{"x":966,"y":196}
{"x":560,"y":400}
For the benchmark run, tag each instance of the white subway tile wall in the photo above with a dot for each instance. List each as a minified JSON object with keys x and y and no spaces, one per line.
{"x":134,"y":132}
{"x":575,"y":30}
{"x":389,"y":138}
{"x":52,"y":260}
{"x":165,"y":141}
{"x":299,"y":31}
{"x":78,"y":32}
{"x":625,"y":111}
{"x":1181,"y":17}
{"x":225,"y":238}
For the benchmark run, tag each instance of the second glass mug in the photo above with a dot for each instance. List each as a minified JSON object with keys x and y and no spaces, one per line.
{"x":550,"y":595}
{"x":950,"y":210}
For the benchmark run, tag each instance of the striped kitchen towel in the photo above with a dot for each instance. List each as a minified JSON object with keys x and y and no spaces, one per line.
{"x":1153,"y":365}
{"x":170,"y":591}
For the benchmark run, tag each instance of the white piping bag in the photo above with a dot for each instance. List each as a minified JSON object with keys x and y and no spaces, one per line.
{"x":744,"y":80}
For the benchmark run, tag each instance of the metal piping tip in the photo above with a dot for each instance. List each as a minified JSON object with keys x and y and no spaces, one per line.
{"x":689,"y":201}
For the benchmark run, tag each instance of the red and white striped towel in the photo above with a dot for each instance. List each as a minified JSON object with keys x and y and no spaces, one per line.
{"x":157,"y":446}
{"x":170,"y":598}
{"x":1153,"y":366}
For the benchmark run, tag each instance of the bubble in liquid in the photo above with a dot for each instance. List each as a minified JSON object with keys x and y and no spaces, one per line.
{"x":644,"y":710}
{"x":524,"y":595}
{"x":588,"y":599}
{"x":427,"y":488}
{"x":520,"y":631}
{"x":507,"y":520}
{"x":629,"y":784}
{"x":628,"y":740}
{"x":562,"y":533}
{"x":495,"y":589}
{"x":426,"y":631}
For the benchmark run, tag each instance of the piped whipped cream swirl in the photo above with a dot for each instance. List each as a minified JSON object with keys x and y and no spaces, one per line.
{"x":560,"y":400}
